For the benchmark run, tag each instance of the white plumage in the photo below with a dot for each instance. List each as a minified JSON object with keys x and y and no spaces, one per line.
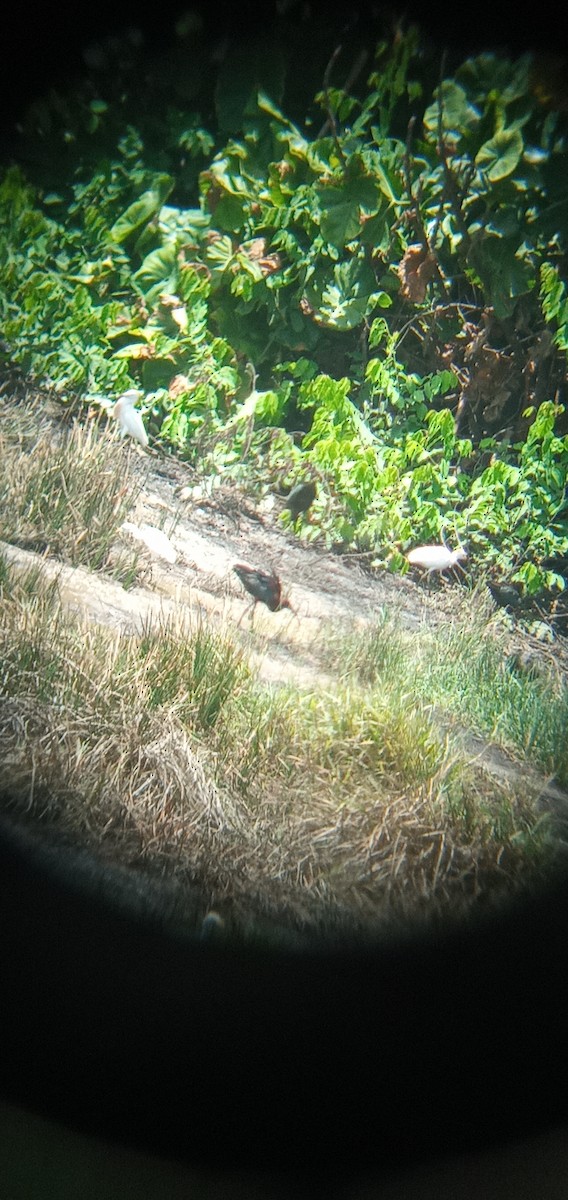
{"x":435,"y":558}
{"x":153,"y":538}
{"x":128,"y":418}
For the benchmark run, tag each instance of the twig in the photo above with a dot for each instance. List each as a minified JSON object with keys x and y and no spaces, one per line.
{"x":352,"y":76}
{"x":414,"y":211}
{"x":440,"y":310}
{"x":331,"y":122}
{"x":454,"y":194}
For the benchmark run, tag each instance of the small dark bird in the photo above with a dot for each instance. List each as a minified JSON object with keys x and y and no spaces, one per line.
{"x":526,"y":663}
{"x":300,"y":498}
{"x":262,"y":585}
{"x":556,"y":563}
{"x":212,"y":927}
{"x":505,"y":594}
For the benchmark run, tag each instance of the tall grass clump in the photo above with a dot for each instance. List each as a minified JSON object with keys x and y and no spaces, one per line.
{"x":196,"y":676}
{"x":467,"y":672}
{"x":463,"y":670}
{"x":64,"y":491}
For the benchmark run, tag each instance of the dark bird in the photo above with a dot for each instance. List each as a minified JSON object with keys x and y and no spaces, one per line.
{"x":212,"y":927}
{"x":300,"y":498}
{"x":262,"y":585}
{"x":528,"y":664}
{"x":505,"y":594}
{"x":556,"y":563}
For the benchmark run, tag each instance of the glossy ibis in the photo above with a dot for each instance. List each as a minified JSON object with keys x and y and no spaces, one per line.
{"x":262,"y":585}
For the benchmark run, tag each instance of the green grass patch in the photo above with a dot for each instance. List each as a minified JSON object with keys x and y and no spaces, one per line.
{"x":462,"y":668}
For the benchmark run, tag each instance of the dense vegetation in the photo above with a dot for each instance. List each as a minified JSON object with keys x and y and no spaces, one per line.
{"x":381,"y":246}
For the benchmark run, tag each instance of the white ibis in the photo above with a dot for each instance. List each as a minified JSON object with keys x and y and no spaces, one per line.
{"x":128,"y":418}
{"x":435,"y":558}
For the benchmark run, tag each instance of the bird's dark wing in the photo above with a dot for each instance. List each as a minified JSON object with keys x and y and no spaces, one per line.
{"x":264,"y":586}
{"x":301,"y":497}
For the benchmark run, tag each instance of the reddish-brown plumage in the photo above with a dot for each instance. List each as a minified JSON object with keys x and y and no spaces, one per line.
{"x":262,"y":585}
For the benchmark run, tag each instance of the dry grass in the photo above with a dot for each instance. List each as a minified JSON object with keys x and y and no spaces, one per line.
{"x":321,"y":813}
{"x":64,"y":490}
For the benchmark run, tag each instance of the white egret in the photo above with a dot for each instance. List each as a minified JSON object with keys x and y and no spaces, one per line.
{"x":153,"y":538}
{"x":128,"y":418}
{"x":435,"y":558}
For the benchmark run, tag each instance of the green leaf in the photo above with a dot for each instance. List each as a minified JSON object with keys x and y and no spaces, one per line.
{"x":342,"y":208}
{"x":503,"y":271}
{"x":133,"y":350}
{"x":253,"y":66}
{"x":501,"y":154}
{"x":351,"y":295}
{"x":491,"y":75}
{"x":458,"y":115}
{"x":267,"y":105}
{"x":230,"y":213}
{"x":143,"y":209}
{"x":378,"y":333}
{"x":183,"y":223}
{"x":219,"y":255}
{"x":158,"y":272}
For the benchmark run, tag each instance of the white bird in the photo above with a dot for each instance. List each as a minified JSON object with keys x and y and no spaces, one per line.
{"x":153,"y":538}
{"x":435,"y":558}
{"x":128,"y":418}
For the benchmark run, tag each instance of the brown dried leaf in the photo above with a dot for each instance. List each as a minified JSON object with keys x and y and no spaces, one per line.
{"x":256,"y":252}
{"x":306,"y":307}
{"x":255,"y":249}
{"x":415,"y":271}
{"x":270,"y":264}
{"x":178,"y":385}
